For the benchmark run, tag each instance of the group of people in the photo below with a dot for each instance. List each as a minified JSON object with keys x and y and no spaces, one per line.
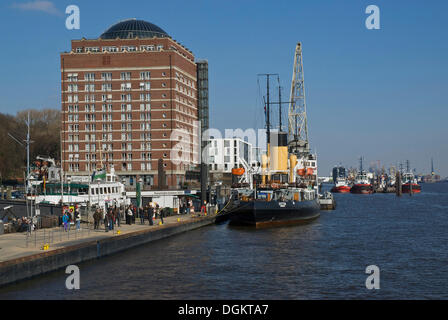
{"x":113,"y":216}
{"x":186,"y":207}
{"x":69,"y":215}
{"x":110,"y":217}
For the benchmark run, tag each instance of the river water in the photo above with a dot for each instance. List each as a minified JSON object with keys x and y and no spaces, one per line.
{"x":407,"y":238}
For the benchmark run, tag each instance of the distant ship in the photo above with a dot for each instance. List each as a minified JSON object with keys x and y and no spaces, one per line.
{"x":410,"y":182}
{"x":341,"y":184}
{"x":362,"y":183}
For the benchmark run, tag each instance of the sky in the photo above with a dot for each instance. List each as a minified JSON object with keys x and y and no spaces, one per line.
{"x":372,"y":93}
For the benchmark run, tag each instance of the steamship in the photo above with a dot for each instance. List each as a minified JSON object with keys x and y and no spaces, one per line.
{"x":285,"y":189}
{"x":286,"y":194}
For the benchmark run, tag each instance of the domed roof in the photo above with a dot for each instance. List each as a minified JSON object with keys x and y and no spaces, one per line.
{"x":132,"y":28}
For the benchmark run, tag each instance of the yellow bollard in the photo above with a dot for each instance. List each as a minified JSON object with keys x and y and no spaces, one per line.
{"x":160,"y":223}
{"x":118,"y":232}
{"x":46,"y":247}
{"x":178,"y":219}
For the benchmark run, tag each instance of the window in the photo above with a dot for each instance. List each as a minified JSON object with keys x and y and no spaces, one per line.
{"x":89,"y":77}
{"x":145,"y":75}
{"x":106,"y":76}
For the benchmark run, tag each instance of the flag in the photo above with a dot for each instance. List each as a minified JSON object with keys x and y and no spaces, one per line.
{"x":139,"y":195}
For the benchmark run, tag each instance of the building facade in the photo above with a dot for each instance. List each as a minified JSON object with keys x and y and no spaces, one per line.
{"x":227,"y":154}
{"x":129,"y":99}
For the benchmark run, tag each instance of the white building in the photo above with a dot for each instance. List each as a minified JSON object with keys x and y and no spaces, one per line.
{"x":226,"y":154}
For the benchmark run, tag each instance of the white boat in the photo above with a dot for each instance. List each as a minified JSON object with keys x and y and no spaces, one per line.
{"x":82,"y":190}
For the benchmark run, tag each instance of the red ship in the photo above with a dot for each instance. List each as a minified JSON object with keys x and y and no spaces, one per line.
{"x":340,"y":181}
{"x":410,"y":183}
{"x":362,"y":183}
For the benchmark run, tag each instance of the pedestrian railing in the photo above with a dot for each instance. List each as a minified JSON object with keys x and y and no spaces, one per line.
{"x":45,"y":238}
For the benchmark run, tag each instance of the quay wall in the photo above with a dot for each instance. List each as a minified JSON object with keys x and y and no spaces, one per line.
{"x":31,"y":266}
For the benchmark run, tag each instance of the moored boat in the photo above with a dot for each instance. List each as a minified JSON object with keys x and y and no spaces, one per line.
{"x":340,"y":180}
{"x":362,"y":183}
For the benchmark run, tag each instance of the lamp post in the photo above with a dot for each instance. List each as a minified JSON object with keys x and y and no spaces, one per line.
{"x":98,"y":191}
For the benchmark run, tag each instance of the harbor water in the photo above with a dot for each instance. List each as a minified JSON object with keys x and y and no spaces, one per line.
{"x":406,"y":237}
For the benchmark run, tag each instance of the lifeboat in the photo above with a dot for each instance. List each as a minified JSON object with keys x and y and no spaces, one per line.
{"x":301,"y":172}
{"x":238,"y":171}
{"x":309,"y":171}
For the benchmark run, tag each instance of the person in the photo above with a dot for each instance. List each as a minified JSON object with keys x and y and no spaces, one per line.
{"x":187,"y":204}
{"x":151,"y":215}
{"x":141,"y":213}
{"x":65,"y":221}
{"x":204,"y":208}
{"x":190,"y":203}
{"x":106,"y":221}
{"x":119,"y":211}
{"x":134,"y":214}
{"x":96,"y":219}
{"x":160,"y":212}
{"x":130,"y":214}
{"x":78,"y":218}
{"x":111,"y":219}
{"x":182,"y":208}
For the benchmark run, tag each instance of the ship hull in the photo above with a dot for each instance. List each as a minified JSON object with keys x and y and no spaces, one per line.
{"x":274,"y":213}
{"x":406,"y":188}
{"x":340,"y":189}
{"x":362,"y":189}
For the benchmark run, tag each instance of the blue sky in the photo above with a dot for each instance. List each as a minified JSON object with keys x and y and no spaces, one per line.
{"x":376,"y":93}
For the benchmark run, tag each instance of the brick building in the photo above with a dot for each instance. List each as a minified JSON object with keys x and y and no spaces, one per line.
{"x":128,"y":99}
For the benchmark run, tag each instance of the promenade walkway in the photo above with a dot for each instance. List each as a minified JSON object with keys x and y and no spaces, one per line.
{"x":18,"y":245}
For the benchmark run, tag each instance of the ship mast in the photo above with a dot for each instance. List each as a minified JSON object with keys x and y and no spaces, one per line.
{"x":297,"y":118}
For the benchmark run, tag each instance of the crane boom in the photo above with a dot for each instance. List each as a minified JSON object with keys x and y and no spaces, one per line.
{"x":297,"y":118}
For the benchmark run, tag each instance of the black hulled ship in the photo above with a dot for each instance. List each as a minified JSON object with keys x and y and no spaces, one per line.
{"x":285,"y":189}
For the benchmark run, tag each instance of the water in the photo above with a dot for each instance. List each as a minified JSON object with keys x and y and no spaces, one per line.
{"x":405,"y":237}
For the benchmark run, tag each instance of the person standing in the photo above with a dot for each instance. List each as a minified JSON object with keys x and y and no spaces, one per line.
{"x":141,"y":214}
{"x":106,"y":221}
{"x":130,"y":214}
{"x":111,"y":219}
{"x":65,"y":220}
{"x":96,"y":219}
{"x":187,"y":205}
{"x":204,"y":208}
{"x":190,"y":203}
{"x":78,"y":218}
{"x":151,"y":215}
{"x":160,"y":212}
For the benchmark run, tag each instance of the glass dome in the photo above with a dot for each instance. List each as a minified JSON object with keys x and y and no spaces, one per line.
{"x":132,"y":28}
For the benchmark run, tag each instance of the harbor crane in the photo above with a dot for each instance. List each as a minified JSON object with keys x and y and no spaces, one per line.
{"x":297,"y":118}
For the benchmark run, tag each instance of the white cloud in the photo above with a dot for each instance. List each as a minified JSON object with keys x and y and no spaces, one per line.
{"x":38,"y":5}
